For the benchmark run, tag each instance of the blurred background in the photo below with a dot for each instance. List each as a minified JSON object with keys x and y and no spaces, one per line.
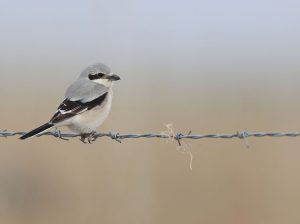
{"x":205,"y":66}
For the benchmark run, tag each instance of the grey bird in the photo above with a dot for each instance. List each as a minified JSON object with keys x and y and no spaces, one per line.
{"x":87,"y":103}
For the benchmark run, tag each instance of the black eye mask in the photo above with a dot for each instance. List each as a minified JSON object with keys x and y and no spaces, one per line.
{"x":96,"y":76}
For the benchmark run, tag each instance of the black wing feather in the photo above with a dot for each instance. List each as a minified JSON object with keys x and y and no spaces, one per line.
{"x":68,"y":108}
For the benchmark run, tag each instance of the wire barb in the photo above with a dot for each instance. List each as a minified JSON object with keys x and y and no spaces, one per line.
{"x":115,"y":136}
{"x":178,"y":138}
{"x":243,"y":135}
{"x":57,"y":133}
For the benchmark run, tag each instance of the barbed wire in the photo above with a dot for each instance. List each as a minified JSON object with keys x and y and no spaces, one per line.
{"x":165,"y":135}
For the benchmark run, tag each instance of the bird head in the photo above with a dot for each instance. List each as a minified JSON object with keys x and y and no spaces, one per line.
{"x":99,"y":73}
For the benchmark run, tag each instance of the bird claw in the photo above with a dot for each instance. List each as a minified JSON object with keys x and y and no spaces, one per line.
{"x":91,"y":137}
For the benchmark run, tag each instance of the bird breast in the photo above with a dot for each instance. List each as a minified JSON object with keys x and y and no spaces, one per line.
{"x":90,"y":120}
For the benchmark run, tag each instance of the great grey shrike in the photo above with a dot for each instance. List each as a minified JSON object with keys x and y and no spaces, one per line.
{"x":87,"y":103}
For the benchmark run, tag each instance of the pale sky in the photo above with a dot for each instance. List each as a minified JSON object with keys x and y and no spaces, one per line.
{"x":197,"y":38}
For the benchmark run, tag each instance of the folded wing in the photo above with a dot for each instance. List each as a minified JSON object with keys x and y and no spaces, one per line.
{"x":81,"y":96}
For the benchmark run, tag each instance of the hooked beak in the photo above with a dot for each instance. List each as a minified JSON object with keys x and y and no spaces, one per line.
{"x":114,"y":77}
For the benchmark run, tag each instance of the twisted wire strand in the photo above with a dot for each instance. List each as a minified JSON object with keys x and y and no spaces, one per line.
{"x":118,"y":137}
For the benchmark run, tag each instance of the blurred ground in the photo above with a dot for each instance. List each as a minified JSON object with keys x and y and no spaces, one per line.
{"x":206,"y":69}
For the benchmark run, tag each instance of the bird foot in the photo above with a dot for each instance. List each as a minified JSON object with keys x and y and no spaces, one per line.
{"x":91,"y":137}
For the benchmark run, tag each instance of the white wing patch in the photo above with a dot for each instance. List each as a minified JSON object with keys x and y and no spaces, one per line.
{"x":70,"y":108}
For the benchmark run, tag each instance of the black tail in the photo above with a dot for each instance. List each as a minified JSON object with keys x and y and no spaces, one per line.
{"x":36,"y":131}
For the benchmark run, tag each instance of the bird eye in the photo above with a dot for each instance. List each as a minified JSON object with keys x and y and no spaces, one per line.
{"x":92,"y":77}
{"x":100,"y":75}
